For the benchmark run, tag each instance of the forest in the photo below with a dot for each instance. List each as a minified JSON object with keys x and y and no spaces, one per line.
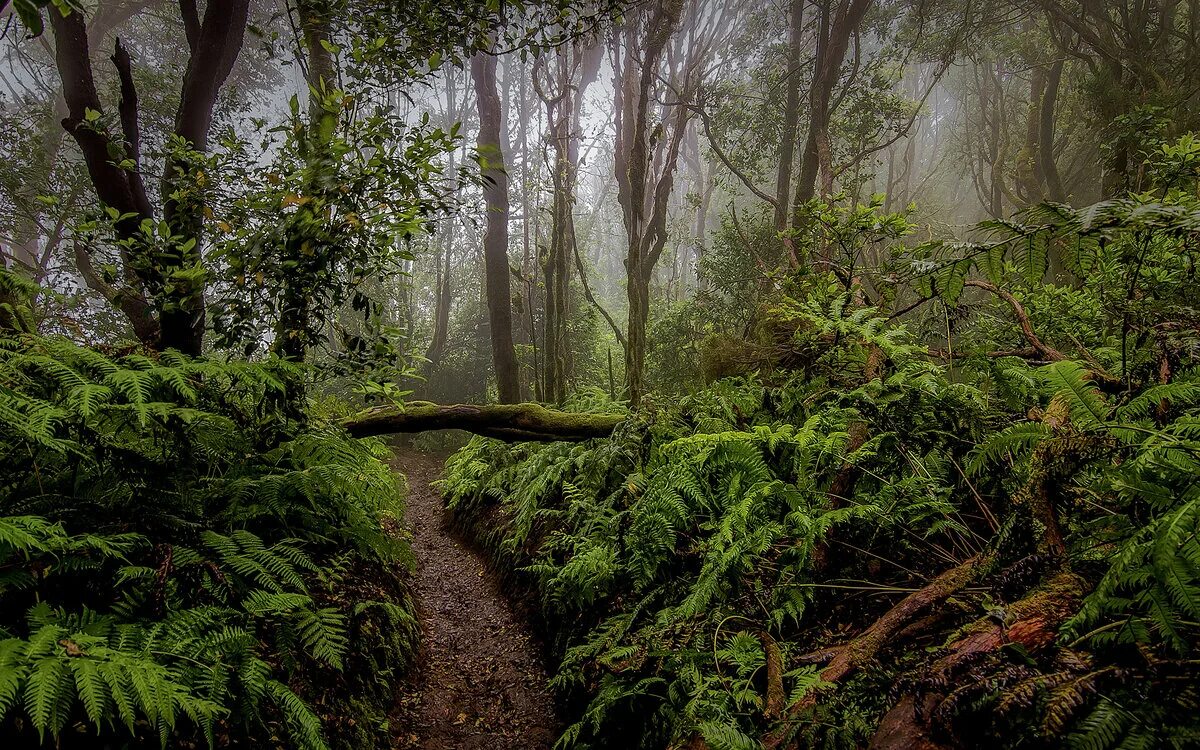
{"x":586,"y":374}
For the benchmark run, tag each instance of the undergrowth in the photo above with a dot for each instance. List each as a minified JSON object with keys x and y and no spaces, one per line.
{"x":180,"y":565}
{"x":709,"y":571}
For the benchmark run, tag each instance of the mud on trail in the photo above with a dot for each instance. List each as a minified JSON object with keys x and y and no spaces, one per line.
{"x":479,"y":682}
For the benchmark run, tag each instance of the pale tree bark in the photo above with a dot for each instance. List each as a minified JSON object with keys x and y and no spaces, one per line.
{"x":575,"y":67}
{"x":525,"y":110}
{"x":444,"y":251}
{"x":638,"y":48}
{"x":495,"y":239}
{"x":646,"y":155}
{"x":791,"y":116}
{"x":555,"y":93}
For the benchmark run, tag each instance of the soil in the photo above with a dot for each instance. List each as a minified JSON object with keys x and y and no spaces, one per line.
{"x":479,"y":682}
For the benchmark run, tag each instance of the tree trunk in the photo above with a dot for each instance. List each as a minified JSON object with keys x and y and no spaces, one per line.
{"x":172,"y":274}
{"x":791,"y":116}
{"x":834,"y":31}
{"x":441,"y":305}
{"x":504,"y":421}
{"x":495,"y":238}
{"x":643,"y":198}
{"x":294,"y":333}
{"x":181,"y":312}
{"x":1049,"y":166}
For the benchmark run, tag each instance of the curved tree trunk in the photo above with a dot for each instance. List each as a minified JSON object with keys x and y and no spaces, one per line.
{"x":834,"y":31}
{"x":170,"y":275}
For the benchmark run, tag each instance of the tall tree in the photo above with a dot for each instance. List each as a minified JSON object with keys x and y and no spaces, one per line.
{"x":495,"y":238}
{"x":638,"y":48}
{"x":163,"y":292}
{"x":293,"y":333}
{"x":791,"y":114}
{"x":560,"y":83}
{"x":836,"y":25}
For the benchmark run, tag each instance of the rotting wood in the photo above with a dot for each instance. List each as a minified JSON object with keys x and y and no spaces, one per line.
{"x":511,"y":422}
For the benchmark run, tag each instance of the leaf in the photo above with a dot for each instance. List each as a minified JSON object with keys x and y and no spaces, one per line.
{"x":30,"y":13}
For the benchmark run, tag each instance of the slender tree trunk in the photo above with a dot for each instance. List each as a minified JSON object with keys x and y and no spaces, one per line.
{"x":834,"y":31}
{"x":293,"y":335}
{"x":1049,"y":167}
{"x":555,"y":268}
{"x":441,"y":307}
{"x":643,"y":198}
{"x":791,"y":116}
{"x":495,"y":239}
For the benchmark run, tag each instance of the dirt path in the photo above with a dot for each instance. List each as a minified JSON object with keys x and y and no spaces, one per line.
{"x":480,"y":681}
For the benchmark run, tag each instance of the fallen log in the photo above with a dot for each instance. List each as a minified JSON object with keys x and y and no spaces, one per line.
{"x":866,"y":646}
{"x":510,"y":422}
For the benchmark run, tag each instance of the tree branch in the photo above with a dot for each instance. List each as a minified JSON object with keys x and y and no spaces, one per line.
{"x":79,"y":91}
{"x":128,"y":109}
{"x":191,"y":23}
{"x":1048,"y":352}
{"x":128,"y":300}
{"x":587,"y":290}
{"x":706,"y":121}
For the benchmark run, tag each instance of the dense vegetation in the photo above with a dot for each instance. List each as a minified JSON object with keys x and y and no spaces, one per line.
{"x":834,"y":366}
{"x":870,"y":546}
{"x":179,"y":562}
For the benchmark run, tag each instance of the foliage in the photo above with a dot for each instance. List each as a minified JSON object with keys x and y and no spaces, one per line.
{"x":756,"y":523}
{"x":175,"y":557}
{"x":666,"y":556}
{"x":322,"y":219}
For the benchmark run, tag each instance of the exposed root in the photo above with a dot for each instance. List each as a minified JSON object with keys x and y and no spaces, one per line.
{"x":1031,"y":623}
{"x":850,"y":657}
{"x":776,"y":697}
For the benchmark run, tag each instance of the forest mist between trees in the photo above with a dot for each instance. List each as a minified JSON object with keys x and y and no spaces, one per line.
{"x":831,"y":366}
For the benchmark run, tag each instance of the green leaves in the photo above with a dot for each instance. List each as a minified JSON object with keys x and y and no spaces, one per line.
{"x":30,"y":12}
{"x":232,"y":586}
{"x":1068,"y":381}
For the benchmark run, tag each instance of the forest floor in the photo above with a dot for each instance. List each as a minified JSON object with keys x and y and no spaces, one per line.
{"x":479,"y":681}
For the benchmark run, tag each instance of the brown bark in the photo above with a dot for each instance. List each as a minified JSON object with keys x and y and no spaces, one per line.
{"x":180,"y":311}
{"x":1046,"y":351}
{"x":791,"y":116}
{"x":513,"y":422}
{"x":850,"y":657}
{"x":1032,"y":624}
{"x":495,"y":238}
{"x":834,"y":31}
{"x":641,"y":194}
{"x":111,"y":183}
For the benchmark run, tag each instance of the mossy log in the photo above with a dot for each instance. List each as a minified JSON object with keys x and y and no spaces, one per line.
{"x":511,"y":422}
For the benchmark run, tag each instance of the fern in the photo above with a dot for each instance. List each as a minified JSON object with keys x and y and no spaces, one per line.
{"x":142,"y":483}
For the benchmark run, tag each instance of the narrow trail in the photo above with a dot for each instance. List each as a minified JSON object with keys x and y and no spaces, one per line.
{"x":479,"y":682}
